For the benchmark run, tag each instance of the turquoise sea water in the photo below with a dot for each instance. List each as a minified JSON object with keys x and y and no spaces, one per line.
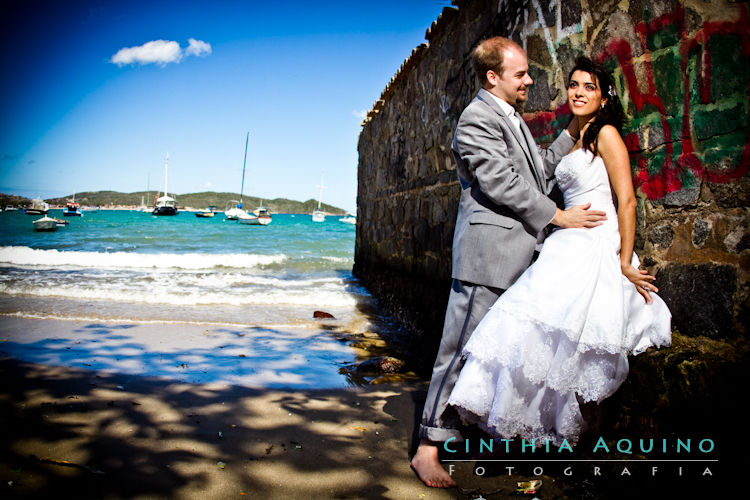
{"x":117,"y":265}
{"x":129,"y":257}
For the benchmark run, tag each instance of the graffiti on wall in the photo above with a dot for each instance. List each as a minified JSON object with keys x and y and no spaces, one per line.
{"x":687,"y":96}
{"x":682,"y":141}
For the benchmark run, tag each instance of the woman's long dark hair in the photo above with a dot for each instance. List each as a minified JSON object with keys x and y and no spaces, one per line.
{"x":611,"y":113}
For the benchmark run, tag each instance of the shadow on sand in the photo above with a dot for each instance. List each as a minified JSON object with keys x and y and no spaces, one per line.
{"x":85,"y":434}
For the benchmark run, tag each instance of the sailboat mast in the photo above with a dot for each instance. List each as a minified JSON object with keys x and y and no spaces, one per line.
{"x":166,"y":168}
{"x":244,"y":162}
{"x":320,"y":196}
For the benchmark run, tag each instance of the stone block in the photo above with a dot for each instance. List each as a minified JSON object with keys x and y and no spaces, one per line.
{"x":647,"y":10}
{"x":537,"y":51}
{"x":618,"y":26}
{"x":570,"y":13}
{"x":651,"y":134}
{"x":688,"y":195}
{"x":738,"y":239}
{"x":661,"y":235}
{"x":700,"y":297}
{"x":701,"y":230}
{"x":729,"y":71}
{"x":731,"y":194}
{"x":567,"y":53}
{"x":540,"y":96}
{"x":715,"y":122}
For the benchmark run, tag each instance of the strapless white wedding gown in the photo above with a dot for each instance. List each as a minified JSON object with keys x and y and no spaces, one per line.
{"x":565,"y":328}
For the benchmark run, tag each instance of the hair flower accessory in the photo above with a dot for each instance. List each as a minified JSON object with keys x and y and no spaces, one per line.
{"x":612,"y":92}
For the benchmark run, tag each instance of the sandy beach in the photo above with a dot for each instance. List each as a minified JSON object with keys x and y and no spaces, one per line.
{"x":100,"y":432}
{"x":108,"y":433}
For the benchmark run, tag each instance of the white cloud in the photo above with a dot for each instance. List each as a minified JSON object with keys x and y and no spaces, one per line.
{"x":198,"y":48}
{"x":155,"y":52}
{"x":161,"y":52}
{"x":362,"y":113}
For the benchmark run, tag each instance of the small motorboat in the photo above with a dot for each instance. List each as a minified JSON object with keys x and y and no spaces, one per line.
{"x":263,"y":215}
{"x":38,"y":207}
{"x":247,"y":218}
{"x":205,"y":213}
{"x":348,"y":219}
{"x":72,"y":209}
{"x":46,"y":224}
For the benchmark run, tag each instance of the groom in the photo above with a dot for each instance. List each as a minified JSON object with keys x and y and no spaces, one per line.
{"x":502,"y":214}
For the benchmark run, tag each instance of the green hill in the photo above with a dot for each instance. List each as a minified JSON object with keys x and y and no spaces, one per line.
{"x":194,"y":200}
{"x":16,"y":201}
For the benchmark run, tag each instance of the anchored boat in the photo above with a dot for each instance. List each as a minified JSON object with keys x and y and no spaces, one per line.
{"x":72,"y":209}
{"x":165,"y":205}
{"x":38,"y":207}
{"x":318,"y":215}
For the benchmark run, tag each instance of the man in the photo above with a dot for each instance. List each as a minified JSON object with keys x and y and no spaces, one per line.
{"x":502,"y":214}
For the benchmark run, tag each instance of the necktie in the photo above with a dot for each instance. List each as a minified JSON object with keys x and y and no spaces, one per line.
{"x":530,"y":148}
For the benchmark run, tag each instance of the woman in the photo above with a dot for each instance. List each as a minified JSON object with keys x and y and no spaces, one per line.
{"x":567,"y":325}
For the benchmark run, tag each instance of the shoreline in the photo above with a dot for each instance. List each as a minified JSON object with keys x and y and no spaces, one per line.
{"x":136,"y":208}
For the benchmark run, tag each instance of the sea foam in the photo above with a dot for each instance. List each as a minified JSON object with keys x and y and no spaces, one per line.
{"x":25,"y":256}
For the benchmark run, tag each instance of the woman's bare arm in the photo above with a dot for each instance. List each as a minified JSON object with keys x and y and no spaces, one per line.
{"x":615,"y":155}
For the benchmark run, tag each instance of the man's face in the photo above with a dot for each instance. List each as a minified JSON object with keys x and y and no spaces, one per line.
{"x":513,"y":85}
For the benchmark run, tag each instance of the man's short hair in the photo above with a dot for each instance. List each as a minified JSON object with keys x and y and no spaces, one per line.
{"x":488,"y":55}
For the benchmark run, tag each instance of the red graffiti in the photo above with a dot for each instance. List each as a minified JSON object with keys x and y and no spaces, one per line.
{"x":658,"y":180}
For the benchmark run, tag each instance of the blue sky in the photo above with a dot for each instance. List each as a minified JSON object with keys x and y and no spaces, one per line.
{"x":88,"y":103}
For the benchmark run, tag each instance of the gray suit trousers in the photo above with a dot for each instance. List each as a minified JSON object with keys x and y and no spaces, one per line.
{"x":467,"y":305}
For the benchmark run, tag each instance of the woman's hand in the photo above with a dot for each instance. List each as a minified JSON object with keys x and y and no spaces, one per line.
{"x":641,"y":279}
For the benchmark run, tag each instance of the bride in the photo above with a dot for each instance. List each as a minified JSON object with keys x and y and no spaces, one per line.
{"x":564,"y":330}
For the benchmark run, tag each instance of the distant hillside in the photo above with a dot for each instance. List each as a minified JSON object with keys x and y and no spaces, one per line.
{"x":195,"y":200}
{"x":16,"y":201}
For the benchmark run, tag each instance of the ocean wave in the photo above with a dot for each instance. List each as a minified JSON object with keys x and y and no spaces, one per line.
{"x":229,"y":279}
{"x":168,"y":294}
{"x":25,"y":256}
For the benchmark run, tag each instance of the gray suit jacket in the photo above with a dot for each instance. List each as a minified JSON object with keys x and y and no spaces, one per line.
{"x":503,"y":206}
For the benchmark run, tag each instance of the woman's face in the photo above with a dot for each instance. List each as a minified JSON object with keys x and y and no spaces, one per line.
{"x":584,"y":94}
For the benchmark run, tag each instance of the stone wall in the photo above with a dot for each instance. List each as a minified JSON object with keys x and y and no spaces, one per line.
{"x":681,"y":70}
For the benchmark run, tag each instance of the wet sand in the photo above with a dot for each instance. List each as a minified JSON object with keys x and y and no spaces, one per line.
{"x":95,"y":433}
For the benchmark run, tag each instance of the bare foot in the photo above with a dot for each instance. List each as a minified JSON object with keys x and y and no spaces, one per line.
{"x":427,"y":466}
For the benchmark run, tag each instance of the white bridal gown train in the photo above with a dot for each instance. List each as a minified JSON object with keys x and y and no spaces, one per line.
{"x":566,"y":327}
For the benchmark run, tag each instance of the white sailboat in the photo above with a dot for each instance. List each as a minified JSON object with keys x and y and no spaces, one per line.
{"x":165,"y":205}
{"x":234,"y":210}
{"x":318,"y":215}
